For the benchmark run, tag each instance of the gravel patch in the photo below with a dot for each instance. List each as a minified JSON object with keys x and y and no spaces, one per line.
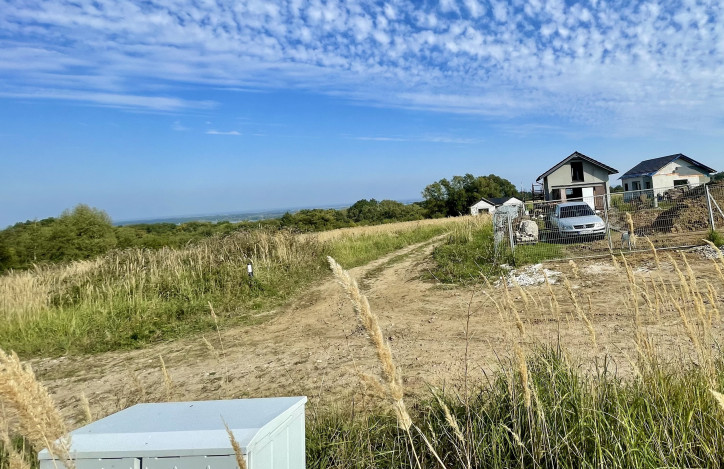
{"x":532,"y":275}
{"x":599,"y":269}
{"x":705,"y":252}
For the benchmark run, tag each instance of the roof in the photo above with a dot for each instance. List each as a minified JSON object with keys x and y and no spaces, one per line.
{"x":487,"y":201}
{"x":650,"y":167}
{"x":501,"y":200}
{"x":577,"y":155}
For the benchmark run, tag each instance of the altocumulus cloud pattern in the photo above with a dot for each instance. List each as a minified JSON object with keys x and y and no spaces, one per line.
{"x":593,"y":61}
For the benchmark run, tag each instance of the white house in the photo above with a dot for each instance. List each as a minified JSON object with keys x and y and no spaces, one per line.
{"x":656,"y":175}
{"x":484,"y":206}
{"x":489,"y":205}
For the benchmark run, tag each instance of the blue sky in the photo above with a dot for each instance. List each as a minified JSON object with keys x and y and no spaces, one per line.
{"x":175,"y":107}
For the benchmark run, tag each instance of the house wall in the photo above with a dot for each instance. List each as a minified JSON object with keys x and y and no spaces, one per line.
{"x":630,"y":193}
{"x":678,"y":169}
{"x":593,"y":177}
{"x":482,"y":207}
{"x":561,"y":177}
{"x":664,"y":179}
{"x":642,"y":180}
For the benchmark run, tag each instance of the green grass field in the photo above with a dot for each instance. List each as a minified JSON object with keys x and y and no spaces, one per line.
{"x":131,"y":298}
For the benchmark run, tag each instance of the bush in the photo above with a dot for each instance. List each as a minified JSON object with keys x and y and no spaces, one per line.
{"x":470,"y":253}
{"x":716,"y":238}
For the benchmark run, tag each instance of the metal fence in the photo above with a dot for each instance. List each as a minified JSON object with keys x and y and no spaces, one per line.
{"x":674,"y":217}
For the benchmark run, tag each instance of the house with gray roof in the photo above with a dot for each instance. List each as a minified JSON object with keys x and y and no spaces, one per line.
{"x":578,"y":177}
{"x":653,"y":177}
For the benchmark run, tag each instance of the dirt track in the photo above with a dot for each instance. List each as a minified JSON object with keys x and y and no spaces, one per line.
{"x":313,"y":346}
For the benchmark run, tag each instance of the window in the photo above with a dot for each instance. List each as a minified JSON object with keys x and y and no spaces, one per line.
{"x":574,"y":193}
{"x":635,"y":186}
{"x":577,"y":171}
{"x":648,"y":184}
{"x":572,"y":211}
{"x":625,"y":187}
{"x":681,"y":182}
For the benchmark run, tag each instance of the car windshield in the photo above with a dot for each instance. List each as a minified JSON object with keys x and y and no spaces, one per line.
{"x":571,"y":211}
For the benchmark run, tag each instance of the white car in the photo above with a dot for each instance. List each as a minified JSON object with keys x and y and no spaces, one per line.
{"x":577,"y":219}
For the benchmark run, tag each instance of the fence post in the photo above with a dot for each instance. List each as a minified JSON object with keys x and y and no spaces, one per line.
{"x":608,"y":227}
{"x":510,"y":233}
{"x":712,"y":227}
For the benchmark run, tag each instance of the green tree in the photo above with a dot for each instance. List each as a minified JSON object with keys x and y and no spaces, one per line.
{"x":81,"y":233}
{"x":455,"y":196}
{"x":363,"y":210}
{"x":435,"y":198}
{"x":8,"y":259}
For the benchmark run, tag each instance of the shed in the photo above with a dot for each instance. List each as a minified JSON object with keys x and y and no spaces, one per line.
{"x":192,"y":435}
{"x":483,"y":206}
{"x":491,"y":204}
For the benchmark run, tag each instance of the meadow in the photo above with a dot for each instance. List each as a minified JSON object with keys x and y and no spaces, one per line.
{"x":545,"y":405}
{"x":632,"y":379}
{"x":133,"y":297}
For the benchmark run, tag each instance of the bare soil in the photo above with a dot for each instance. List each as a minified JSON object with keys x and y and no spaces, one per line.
{"x":314,"y":346}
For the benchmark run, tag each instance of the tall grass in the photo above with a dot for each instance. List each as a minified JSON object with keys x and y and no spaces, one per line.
{"x":134,"y":297}
{"x":470,"y":252}
{"x":353,"y":247}
{"x":543,"y":408}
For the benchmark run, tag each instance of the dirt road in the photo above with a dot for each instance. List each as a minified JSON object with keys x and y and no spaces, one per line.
{"x":313,"y":346}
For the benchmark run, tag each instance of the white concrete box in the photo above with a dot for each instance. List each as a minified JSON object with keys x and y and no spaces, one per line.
{"x":191,"y":435}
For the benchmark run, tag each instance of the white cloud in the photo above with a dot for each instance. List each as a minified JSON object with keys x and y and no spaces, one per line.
{"x":178,"y":127}
{"x":474,"y":7}
{"x":221,"y":132}
{"x":448,"y":5}
{"x":588,"y":61}
{"x":156,"y":103}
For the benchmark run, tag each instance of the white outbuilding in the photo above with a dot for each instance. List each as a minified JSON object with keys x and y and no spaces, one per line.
{"x":484,"y":206}
{"x":489,"y":205}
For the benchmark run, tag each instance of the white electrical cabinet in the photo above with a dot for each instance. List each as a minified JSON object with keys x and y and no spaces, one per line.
{"x":191,"y":435}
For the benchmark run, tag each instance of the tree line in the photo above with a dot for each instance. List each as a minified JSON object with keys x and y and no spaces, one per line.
{"x":85,"y":232}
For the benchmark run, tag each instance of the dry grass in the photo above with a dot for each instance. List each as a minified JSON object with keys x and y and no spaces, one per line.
{"x":138,"y":274}
{"x":130,"y":298}
{"x":33,"y":411}
{"x":547,"y":409}
{"x":389,"y":228}
{"x":240,"y":461}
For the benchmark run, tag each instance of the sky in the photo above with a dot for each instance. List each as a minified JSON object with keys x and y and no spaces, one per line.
{"x":162,"y":108}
